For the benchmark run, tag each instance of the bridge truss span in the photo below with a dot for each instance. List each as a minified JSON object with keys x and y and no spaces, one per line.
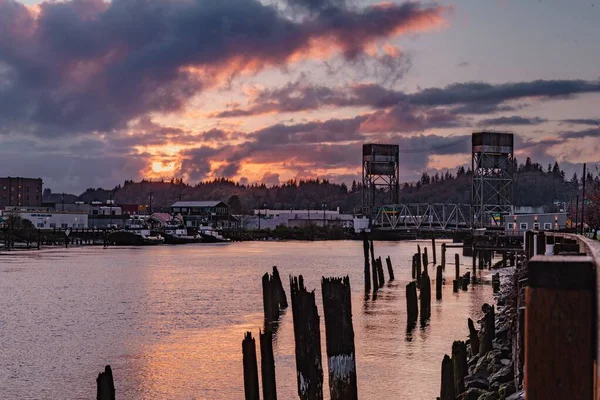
{"x":432,"y":216}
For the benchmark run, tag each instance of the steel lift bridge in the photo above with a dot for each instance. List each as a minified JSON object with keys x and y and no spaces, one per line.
{"x":491,"y":189}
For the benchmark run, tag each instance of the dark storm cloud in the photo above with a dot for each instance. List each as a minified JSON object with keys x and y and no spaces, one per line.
{"x":513,"y":120}
{"x":582,"y":121}
{"x":462,"y":98}
{"x":89,"y":65}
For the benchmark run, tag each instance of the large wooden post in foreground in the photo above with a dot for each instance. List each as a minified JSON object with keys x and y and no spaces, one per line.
{"x":250,"y":367}
{"x":367,"y":265}
{"x":339,"y":334}
{"x":412,"y":305}
{"x":267,"y":366}
{"x":105,"y":386}
{"x":307,"y":335}
{"x":559,"y":328}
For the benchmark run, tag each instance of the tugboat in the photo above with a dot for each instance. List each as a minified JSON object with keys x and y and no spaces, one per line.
{"x":176,"y":233}
{"x":209,"y":235}
{"x":135,"y":233}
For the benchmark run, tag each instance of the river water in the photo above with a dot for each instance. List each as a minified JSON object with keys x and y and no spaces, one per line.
{"x":170,"y":320}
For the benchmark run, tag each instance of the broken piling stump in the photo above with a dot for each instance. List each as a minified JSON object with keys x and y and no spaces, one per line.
{"x":267,"y":366}
{"x":496,"y":282}
{"x":307,"y":335}
{"x":433,"y":250}
{"x":367,"y":265}
{"x":425,"y":290}
{"x":473,"y":338}
{"x":455,"y":286}
{"x":388,"y":261}
{"x":274,"y":298}
{"x":339,"y":335}
{"x":105,"y":386}
{"x":444,"y":256}
{"x":457,"y":266}
{"x":380,"y":275}
{"x":447,"y":391}
{"x":488,"y":330}
{"x":459,"y":366}
{"x":374,"y":271}
{"x":412,"y":305}
{"x":438,"y":283}
{"x":250,"y":368}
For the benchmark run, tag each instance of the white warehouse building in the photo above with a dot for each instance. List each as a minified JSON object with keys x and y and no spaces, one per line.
{"x":53,"y":219}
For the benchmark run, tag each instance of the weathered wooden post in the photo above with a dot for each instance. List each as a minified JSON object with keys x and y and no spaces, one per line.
{"x":307,"y":336}
{"x":496,"y":282}
{"x":339,"y":335}
{"x":425,"y":260}
{"x":267,"y":366}
{"x":105,"y":386}
{"x":414,"y":268}
{"x":419,"y":271}
{"x":412,"y":306}
{"x":425,"y":289}
{"x":281,"y":297}
{"x":459,"y":366}
{"x":388,"y":261}
{"x":473,"y":337}
{"x":433,"y":250}
{"x":474,"y":261}
{"x":438,"y":283}
{"x":488,"y":330}
{"x":457,"y":266}
{"x":504,"y":259}
{"x":481,"y":259}
{"x":380,"y":272}
{"x":367,"y":266}
{"x":447,"y":391}
{"x":560,"y":328}
{"x":250,"y":367}
{"x":455,"y":283}
{"x":374,"y":271}
{"x":274,"y":298}
{"x":444,"y":256}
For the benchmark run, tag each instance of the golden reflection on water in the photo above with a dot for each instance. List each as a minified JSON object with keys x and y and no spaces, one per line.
{"x":170,"y":320}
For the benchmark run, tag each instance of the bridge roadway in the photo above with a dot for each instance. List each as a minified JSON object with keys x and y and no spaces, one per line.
{"x":426,"y":217}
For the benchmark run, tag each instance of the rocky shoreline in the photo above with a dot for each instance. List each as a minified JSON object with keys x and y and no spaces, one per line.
{"x":483,"y":366}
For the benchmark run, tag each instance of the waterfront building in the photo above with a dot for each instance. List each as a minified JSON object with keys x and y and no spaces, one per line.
{"x":203,"y":213}
{"x":41,"y":219}
{"x":17,"y":191}
{"x":537,"y":221}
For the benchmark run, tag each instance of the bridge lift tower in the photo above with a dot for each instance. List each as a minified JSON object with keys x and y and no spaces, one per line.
{"x":492,"y":186}
{"x":380,"y":176}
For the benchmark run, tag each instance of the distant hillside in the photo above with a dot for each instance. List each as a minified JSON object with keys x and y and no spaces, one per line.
{"x":533,"y":186}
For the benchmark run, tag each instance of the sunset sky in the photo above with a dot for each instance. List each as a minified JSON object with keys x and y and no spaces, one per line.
{"x":94,"y":92}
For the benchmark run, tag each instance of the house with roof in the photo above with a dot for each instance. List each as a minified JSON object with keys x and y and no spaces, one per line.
{"x":203,"y":213}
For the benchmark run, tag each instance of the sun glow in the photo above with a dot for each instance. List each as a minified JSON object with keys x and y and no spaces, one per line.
{"x":160,"y":167}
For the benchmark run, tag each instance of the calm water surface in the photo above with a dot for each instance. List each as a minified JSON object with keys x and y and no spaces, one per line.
{"x":170,"y":320}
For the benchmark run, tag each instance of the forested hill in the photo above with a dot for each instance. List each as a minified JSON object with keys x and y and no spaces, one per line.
{"x":534,"y":185}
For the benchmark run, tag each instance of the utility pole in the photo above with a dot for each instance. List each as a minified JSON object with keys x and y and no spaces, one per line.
{"x":577,"y":212}
{"x":150,"y":207}
{"x":583,"y":201}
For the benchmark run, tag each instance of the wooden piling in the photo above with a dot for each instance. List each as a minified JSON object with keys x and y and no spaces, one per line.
{"x":425,"y":260}
{"x":504,"y":259}
{"x":374,"y":268}
{"x":274,"y":298}
{"x":496,"y":282}
{"x":473,"y":337}
{"x":560,"y":327}
{"x":447,"y":391}
{"x":250,"y":368}
{"x":267,"y":366}
{"x":455,"y":283}
{"x":438,"y":283}
{"x":367,"y":265}
{"x":425,"y":290}
{"x":388,"y":261}
{"x":309,"y":370}
{"x":412,"y":305}
{"x":488,"y":330}
{"x":105,"y":386}
{"x":380,"y":275}
{"x":339,"y":335}
{"x":419,"y":272}
{"x":457,"y":266}
{"x":414,"y":267}
{"x":434,"y":251}
{"x":459,"y":366}
{"x":444,"y":256}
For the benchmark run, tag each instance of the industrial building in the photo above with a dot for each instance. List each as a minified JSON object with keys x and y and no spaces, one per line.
{"x":19,"y":191}
{"x":52,"y":219}
{"x":203,"y":213}
{"x":271,"y":219}
{"x":542,"y":221}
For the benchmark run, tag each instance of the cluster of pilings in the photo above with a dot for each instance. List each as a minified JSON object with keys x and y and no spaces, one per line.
{"x":339,"y":337}
{"x":374,"y":276}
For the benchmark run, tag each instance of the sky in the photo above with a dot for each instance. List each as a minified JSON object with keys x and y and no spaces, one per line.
{"x":93,"y":93}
